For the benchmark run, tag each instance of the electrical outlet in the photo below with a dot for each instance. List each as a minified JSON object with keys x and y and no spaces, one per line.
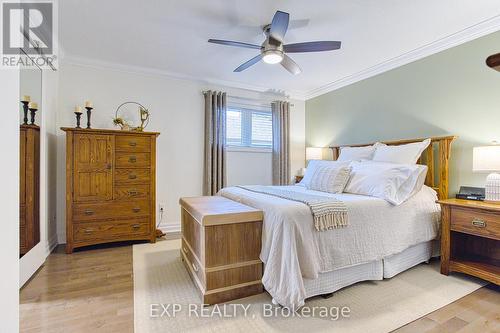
{"x":161,"y":208}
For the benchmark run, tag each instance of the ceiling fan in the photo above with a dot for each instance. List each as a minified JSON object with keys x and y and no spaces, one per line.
{"x":273,"y":51}
{"x":493,"y":61}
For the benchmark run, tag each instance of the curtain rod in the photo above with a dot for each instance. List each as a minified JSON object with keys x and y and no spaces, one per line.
{"x":261,"y":100}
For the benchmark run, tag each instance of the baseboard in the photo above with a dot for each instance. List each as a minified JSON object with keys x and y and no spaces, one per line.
{"x":167,"y":228}
{"x":61,"y":239}
{"x":51,"y":245}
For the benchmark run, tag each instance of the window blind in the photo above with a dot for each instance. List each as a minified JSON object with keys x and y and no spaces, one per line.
{"x":247,"y":127}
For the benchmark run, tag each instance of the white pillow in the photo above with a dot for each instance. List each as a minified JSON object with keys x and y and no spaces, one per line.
{"x":357,"y":153}
{"x":392,"y":182}
{"x":403,"y":154}
{"x":330,"y":178}
{"x":311,"y":169}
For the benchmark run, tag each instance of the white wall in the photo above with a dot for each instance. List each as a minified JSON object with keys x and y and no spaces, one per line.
{"x":32,"y":260}
{"x":177,"y":112}
{"x":249,"y":168}
{"x":9,"y":237}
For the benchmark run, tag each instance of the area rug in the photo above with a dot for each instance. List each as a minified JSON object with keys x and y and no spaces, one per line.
{"x":165,"y":300}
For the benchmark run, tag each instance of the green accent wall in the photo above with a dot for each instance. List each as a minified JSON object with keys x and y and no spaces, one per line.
{"x":451,"y":92}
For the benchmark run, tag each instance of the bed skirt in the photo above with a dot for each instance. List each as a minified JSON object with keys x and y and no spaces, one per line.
{"x":376,"y":270}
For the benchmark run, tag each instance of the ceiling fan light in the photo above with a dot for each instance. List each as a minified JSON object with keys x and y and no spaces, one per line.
{"x":272,"y":57}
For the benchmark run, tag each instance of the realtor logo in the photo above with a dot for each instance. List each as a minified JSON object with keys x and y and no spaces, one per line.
{"x":28,"y":33}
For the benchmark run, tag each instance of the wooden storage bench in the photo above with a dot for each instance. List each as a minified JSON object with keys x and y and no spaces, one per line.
{"x":221,"y":242}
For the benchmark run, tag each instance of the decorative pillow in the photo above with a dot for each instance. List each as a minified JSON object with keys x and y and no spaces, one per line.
{"x":311,"y":169}
{"x":392,"y":182}
{"x":357,"y":153}
{"x":330,"y":178}
{"x":403,"y":154}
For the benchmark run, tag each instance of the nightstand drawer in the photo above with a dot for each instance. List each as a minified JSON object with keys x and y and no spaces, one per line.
{"x":475,"y":222}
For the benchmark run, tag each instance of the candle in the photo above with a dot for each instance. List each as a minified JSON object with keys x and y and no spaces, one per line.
{"x":88,"y":104}
{"x":26,"y":98}
{"x":33,"y":105}
{"x":78,"y":109}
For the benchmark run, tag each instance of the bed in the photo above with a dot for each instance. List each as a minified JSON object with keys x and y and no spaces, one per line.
{"x":381,"y":240}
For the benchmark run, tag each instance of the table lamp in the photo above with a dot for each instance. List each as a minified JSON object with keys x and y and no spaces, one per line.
{"x":314,"y":153}
{"x":487,"y":159}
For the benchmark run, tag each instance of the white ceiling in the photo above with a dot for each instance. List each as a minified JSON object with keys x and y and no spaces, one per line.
{"x":171,"y":36}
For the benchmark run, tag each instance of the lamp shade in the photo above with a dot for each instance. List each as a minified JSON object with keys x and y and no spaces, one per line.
{"x":486,"y":159}
{"x":314,"y":153}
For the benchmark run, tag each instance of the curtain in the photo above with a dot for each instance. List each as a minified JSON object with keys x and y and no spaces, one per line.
{"x":215,"y":140}
{"x":281,"y":142}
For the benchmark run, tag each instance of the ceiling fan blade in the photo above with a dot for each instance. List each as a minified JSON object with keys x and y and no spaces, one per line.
{"x":290,"y":65}
{"x":249,"y":63}
{"x":312,"y":46}
{"x":279,"y":25}
{"x":232,"y":43}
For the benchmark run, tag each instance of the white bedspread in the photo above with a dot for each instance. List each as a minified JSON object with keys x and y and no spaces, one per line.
{"x":293,"y":249}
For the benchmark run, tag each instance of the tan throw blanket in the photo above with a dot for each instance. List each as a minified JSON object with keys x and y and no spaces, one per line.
{"x":328,"y":213}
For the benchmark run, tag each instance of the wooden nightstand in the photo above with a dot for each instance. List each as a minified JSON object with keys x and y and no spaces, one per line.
{"x":470,"y":238}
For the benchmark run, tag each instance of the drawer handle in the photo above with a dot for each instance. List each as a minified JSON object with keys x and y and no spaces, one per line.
{"x":89,"y":212}
{"x":185,"y":250}
{"x":132,"y":143}
{"x":194,"y":267}
{"x":136,"y":226}
{"x":136,"y":209}
{"x":133,"y":192}
{"x":132,"y":176}
{"x":88,"y":231}
{"x":132,"y":159}
{"x":479,"y":223}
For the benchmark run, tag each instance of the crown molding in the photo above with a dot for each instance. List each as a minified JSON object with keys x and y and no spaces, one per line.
{"x":478,"y":30}
{"x":148,"y":71}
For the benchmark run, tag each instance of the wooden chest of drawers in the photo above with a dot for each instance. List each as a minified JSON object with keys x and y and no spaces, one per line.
{"x":221,"y":243}
{"x":110,"y":186}
{"x":29,"y":187}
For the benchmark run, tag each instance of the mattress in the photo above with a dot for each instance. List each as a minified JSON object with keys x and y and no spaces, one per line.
{"x":294,"y":251}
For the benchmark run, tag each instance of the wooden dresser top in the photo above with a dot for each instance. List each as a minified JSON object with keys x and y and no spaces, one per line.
{"x":219,"y":210}
{"x":107,"y":131}
{"x":473,"y":204}
{"x":34,"y":127}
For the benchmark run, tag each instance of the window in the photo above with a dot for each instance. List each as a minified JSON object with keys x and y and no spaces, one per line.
{"x":249,"y":128}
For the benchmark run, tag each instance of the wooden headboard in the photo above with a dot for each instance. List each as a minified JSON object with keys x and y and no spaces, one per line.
{"x":438,"y":166}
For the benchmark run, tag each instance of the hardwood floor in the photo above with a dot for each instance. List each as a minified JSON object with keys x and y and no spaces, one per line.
{"x":476,"y":312}
{"x":87,"y":291}
{"x":92,"y":291}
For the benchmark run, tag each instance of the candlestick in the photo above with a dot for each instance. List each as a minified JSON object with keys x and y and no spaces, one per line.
{"x":25,"y":110}
{"x":33,"y":107}
{"x":89,"y":110}
{"x":78,"y":116}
